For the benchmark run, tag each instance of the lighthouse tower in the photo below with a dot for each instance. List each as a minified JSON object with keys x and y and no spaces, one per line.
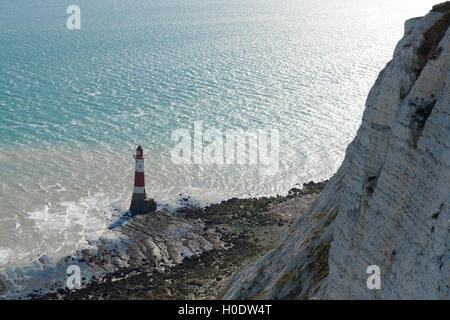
{"x":140,"y":203}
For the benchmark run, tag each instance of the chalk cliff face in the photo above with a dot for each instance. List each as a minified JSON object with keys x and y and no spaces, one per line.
{"x":388,"y":204}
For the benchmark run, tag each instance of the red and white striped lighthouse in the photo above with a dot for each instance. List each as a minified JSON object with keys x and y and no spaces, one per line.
{"x":139,"y":179}
{"x":139,"y":202}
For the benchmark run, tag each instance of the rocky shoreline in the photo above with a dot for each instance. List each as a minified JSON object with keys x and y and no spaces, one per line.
{"x":190,"y":254}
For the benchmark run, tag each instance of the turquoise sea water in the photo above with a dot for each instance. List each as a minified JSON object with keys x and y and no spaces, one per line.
{"x":75,"y":103}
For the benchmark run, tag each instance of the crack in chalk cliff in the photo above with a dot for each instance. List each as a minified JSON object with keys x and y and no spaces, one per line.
{"x":419,"y":118}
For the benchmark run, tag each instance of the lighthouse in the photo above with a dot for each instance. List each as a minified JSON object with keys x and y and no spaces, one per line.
{"x":139,"y":202}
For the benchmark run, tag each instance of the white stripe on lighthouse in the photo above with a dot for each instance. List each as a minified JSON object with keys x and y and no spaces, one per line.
{"x":139,"y":190}
{"x":139,"y":165}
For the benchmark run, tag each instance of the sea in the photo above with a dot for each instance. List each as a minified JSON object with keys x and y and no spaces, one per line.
{"x":75,"y":103}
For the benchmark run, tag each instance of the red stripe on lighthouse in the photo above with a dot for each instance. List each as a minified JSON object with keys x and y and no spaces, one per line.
{"x":139,"y":180}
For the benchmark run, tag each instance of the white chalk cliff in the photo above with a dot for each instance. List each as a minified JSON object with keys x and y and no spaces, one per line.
{"x":389,"y":203}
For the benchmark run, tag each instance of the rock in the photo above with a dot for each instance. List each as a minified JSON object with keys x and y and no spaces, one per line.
{"x":3,"y":285}
{"x":142,"y":206}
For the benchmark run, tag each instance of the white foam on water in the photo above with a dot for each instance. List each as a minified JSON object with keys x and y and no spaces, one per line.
{"x":59,"y":229}
{"x":87,"y":217}
{"x":5,"y":255}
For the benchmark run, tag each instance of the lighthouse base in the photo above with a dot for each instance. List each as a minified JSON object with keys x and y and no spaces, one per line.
{"x":140,"y":204}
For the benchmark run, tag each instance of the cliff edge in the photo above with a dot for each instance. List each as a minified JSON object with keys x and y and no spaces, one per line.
{"x":388,"y":204}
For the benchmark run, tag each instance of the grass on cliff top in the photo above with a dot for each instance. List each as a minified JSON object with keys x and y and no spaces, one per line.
{"x":441,"y":7}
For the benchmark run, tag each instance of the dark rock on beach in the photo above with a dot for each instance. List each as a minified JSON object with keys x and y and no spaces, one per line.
{"x":189,"y":254}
